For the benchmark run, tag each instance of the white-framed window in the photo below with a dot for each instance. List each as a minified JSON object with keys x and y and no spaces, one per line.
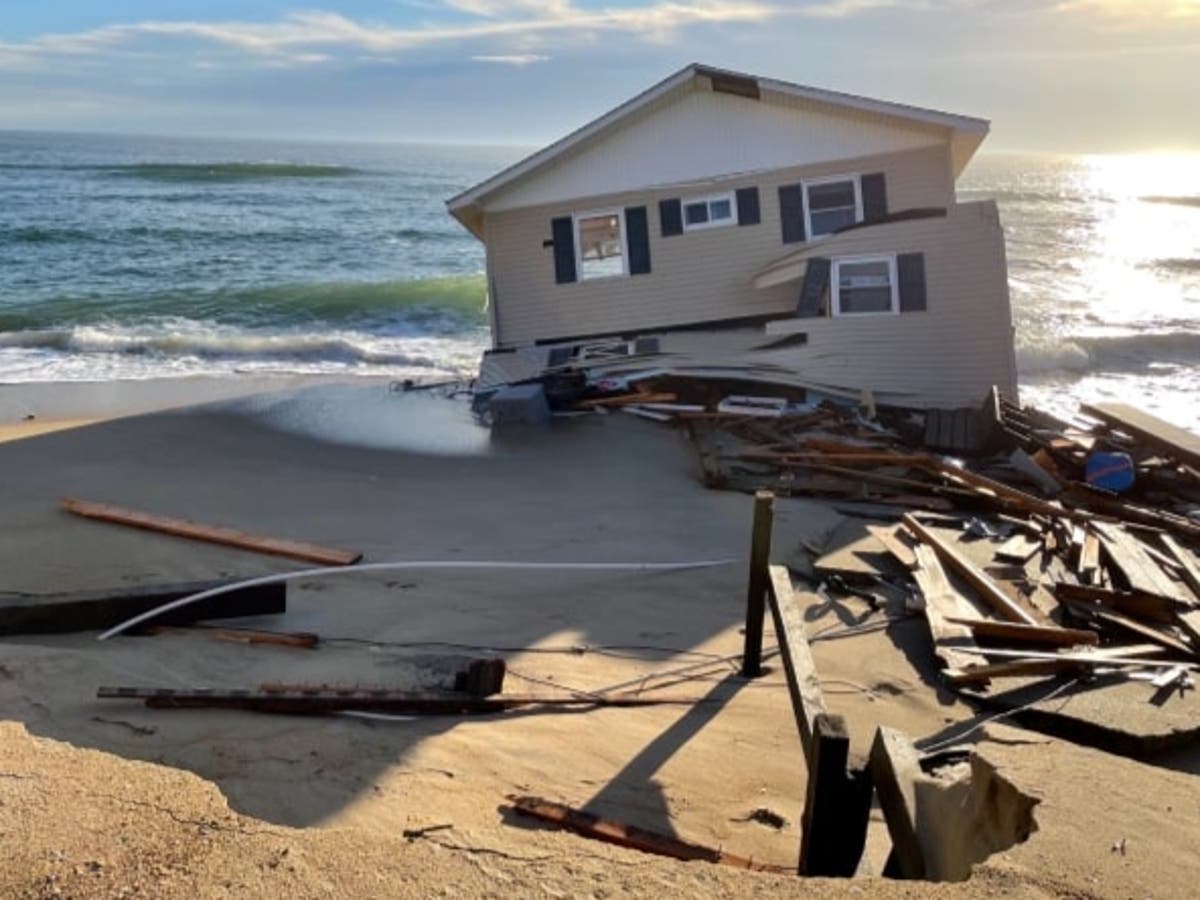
{"x":831,"y":203}
{"x":709,"y":212}
{"x":864,"y":286}
{"x":600,"y":247}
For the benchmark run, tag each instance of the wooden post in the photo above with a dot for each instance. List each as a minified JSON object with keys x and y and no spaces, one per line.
{"x":895,"y":769}
{"x":756,"y":592}
{"x":838,"y":801}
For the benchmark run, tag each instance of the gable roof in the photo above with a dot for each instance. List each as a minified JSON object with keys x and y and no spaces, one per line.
{"x":964,"y":133}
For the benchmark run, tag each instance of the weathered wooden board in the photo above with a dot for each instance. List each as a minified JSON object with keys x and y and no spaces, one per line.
{"x":213,"y":534}
{"x":1157,"y":433}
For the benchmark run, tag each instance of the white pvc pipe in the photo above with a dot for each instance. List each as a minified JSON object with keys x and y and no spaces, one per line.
{"x":399,"y":566}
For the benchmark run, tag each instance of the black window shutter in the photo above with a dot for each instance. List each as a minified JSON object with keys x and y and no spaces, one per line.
{"x":670,"y":215}
{"x":812,"y":292}
{"x":910,"y":272}
{"x":791,"y":212}
{"x":637,"y":238}
{"x":564,"y":249}
{"x":747,"y":206}
{"x":874,"y":197}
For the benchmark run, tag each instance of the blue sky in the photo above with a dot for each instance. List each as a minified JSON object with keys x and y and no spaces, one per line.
{"x":1056,"y":75}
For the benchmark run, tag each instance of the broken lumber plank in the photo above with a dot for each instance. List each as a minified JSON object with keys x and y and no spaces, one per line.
{"x":1018,"y":548}
{"x":1160,"y":435}
{"x":895,"y":769}
{"x":892,"y":539}
{"x":98,"y":610}
{"x":298,"y":700}
{"x":758,"y":583}
{"x":627,"y":399}
{"x":1131,"y":559}
{"x":213,"y":534}
{"x":1082,"y":495}
{"x":1188,"y":566}
{"x":1021,"y":668}
{"x":943,"y":602}
{"x":1142,"y":604}
{"x":304,"y":639}
{"x":804,"y":687}
{"x":1007,"y":494}
{"x":1141,"y":629}
{"x":970,"y":573}
{"x":1034,"y":634}
{"x":1088,"y":567}
{"x":590,"y":825}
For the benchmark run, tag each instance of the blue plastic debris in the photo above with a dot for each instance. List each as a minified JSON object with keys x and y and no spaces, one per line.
{"x":1110,"y":471}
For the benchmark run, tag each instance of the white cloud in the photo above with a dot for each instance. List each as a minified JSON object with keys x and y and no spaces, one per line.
{"x":512,"y":59}
{"x":301,"y":37}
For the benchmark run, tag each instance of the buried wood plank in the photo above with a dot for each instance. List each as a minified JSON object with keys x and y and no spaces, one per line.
{"x":1018,"y":548}
{"x":592,"y":826}
{"x":1188,"y":567}
{"x":97,"y":610}
{"x":970,"y":573}
{"x":803,"y":684}
{"x":1143,"y":605}
{"x":213,"y":534}
{"x":1034,"y":634}
{"x":1142,"y":630}
{"x":1021,"y":668}
{"x":895,"y":769}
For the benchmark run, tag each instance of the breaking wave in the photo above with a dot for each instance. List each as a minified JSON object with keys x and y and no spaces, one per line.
{"x":456,"y":300}
{"x":193,"y":172}
{"x":1175,"y":264}
{"x":1114,"y":353}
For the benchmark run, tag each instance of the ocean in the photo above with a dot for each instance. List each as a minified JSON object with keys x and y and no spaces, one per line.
{"x":134,"y":258}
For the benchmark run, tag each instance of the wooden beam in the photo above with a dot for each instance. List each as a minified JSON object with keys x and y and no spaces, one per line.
{"x":836,"y":807}
{"x":213,"y":534}
{"x":970,"y":573}
{"x":757,"y":583}
{"x":1143,"y":605}
{"x":895,"y":769}
{"x":1021,"y":668}
{"x":804,"y":687}
{"x":1160,"y":435}
{"x":1142,"y":630}
{"x":1034,"y":634}
{"x":98,"y":610}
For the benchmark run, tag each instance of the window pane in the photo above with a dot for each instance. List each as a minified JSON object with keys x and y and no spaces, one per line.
{"x":831,"y":195}
{"x":865,"y":287}
{"x":600,"y":246}
{"x":696,"y":213}
{"x":720,"y":209}
{"x":831,"y":220}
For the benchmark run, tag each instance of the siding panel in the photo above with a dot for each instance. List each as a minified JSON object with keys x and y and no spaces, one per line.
{"x":699,"y":275}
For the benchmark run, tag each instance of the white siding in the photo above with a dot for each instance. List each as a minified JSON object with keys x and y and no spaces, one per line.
{"x":947,"y":355}
{"x":693,"y":134}
{"x":697,"y":276}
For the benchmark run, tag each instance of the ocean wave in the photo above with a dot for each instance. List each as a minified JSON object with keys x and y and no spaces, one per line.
{"x":1174,"y":264}
{"x":33,"y":234}
{"x":192,"y":339}
{"x":1172,"y":201}
{"x":453,"y":300}
{"x":228,"y":171}
{"x":1110,"y":353}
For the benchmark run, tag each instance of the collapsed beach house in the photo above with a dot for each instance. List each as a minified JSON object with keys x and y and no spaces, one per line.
{"x":722,"y":225}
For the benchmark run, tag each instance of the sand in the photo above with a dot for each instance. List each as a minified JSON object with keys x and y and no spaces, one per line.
{"x":339,"y":793}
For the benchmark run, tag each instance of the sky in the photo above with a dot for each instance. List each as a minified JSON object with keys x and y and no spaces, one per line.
{"x":1072,"y":76}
